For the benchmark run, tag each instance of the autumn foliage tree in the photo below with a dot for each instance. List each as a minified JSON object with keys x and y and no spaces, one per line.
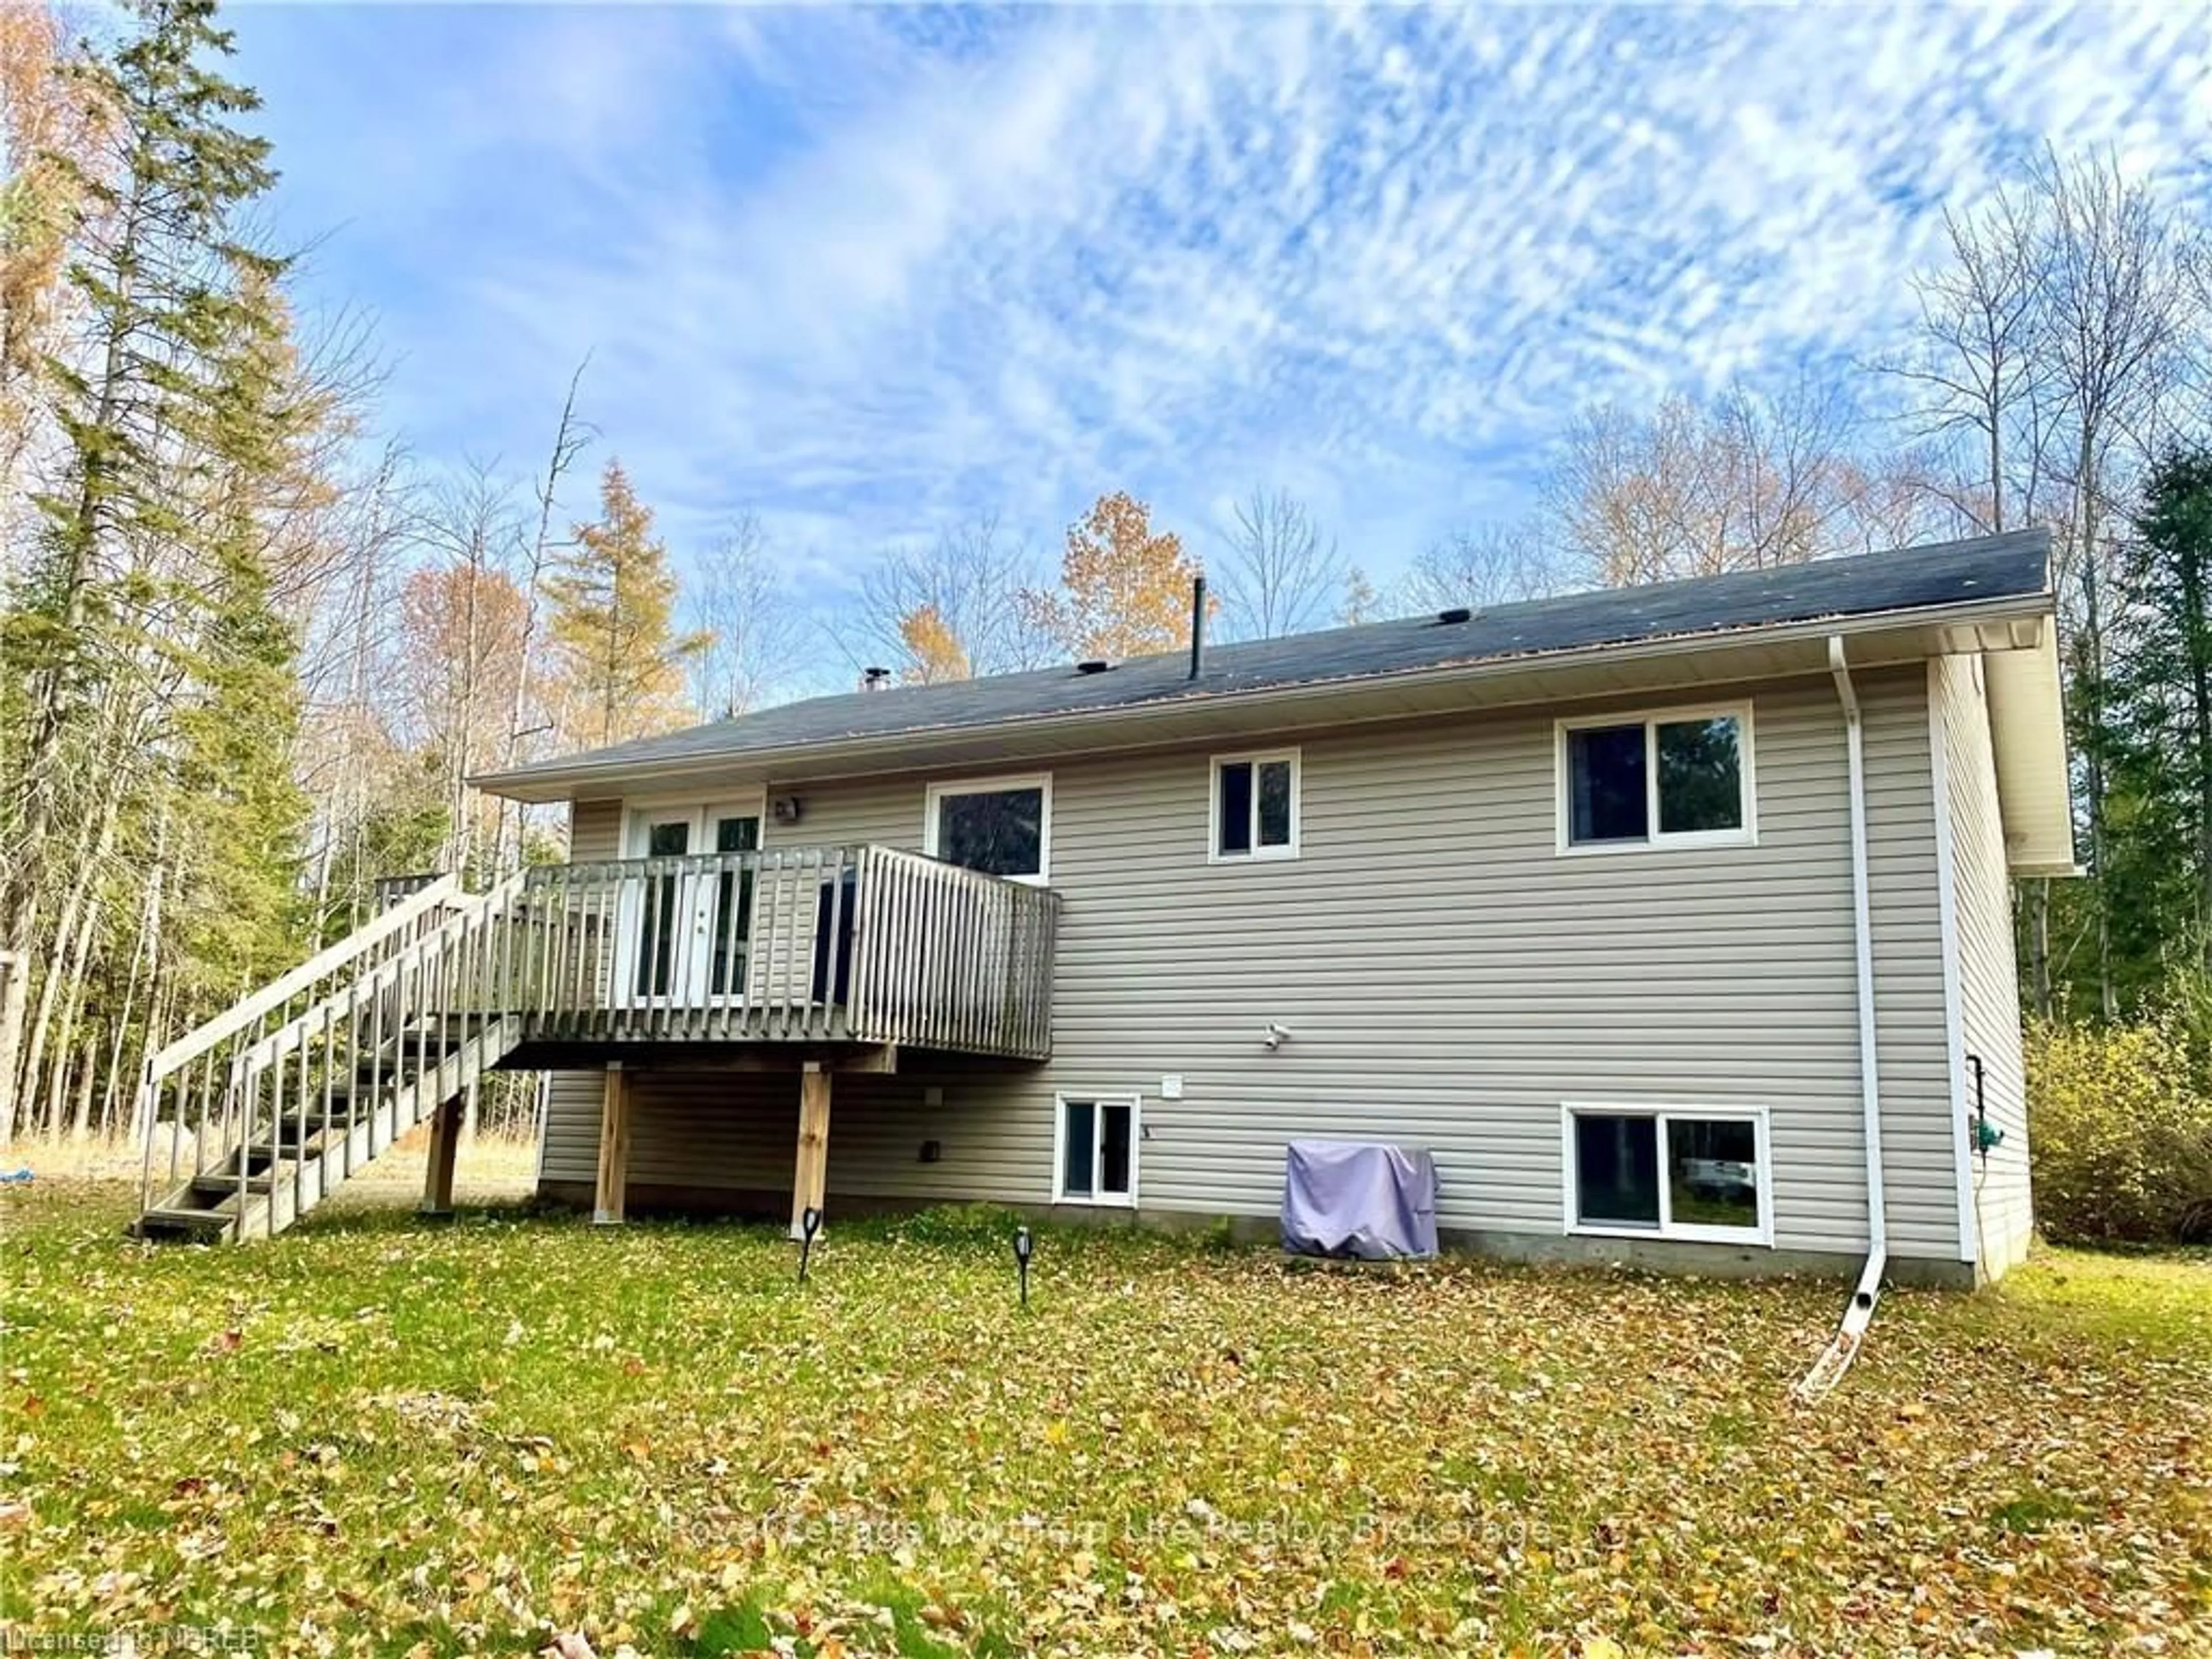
{"x":934,"y":654}
{"x":1748,"y":481}
{"x":1124,"y":587}
{"x":623,"y":664}
{"x":53,"y":122}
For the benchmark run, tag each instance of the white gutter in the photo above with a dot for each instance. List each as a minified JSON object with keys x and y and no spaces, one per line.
{"x":1828,"y":1370}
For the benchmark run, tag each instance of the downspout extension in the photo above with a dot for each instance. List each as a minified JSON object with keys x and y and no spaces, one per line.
{"x":1828,"y":1370}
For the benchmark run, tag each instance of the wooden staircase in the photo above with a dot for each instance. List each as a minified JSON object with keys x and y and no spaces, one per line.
{"x":273,"y":1105}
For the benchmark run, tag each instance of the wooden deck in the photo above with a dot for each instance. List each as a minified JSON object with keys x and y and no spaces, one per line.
{"x":814,"y":959}
{"x":861,"y":944}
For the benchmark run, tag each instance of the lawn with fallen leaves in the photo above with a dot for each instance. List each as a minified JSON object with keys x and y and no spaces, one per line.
{"x":377,"y":1435}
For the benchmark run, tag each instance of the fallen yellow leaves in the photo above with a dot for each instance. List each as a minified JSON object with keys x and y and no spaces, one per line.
{"x":519,"y":1436}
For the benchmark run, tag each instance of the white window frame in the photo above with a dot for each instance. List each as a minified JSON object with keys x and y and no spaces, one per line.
{"x":1257,"y":854}
{"x":990,"y":786}
{"x":1097,"y":1102}
{"x":1654,"y":839}
{"x":1668,"y":1227}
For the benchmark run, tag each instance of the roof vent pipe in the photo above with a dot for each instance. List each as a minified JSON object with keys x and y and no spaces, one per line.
{"x":875,"y":679}
{"x":1197,"y":627}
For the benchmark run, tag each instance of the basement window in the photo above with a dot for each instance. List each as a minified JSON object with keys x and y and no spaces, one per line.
{"x":1678,"y":778}
{"x":1000,"y":826}
{"x":1667,"y":1172}
{"x":1095,"y":1151}
{"x":1255,"y":813}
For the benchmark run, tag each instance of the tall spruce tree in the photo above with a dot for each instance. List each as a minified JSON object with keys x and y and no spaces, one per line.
{"x":133,"y":585}
{"x":237,"y":718}
{"x":2161,"y":738}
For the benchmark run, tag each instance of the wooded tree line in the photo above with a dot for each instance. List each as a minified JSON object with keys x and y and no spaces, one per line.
{"x":252,"y":650}
{"x":248,"y":654}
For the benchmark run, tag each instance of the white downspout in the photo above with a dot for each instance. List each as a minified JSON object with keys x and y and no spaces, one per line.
{"x":1828,"y":1370}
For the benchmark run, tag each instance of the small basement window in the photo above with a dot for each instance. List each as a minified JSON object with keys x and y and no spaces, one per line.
{"x":1255,"y":807}
{"x":1095,"y":1151}
{"x":1678,"y":779}
{"x":1000,"y":826}
{"x":1671,"y":1172}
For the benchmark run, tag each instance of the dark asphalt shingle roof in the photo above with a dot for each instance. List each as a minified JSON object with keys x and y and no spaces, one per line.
{"x":2013,"y":565}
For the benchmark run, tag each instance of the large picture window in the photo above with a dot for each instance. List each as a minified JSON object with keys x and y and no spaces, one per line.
{"x":1094,"y":1159}
{"x":1255,"y":806}
{"x":1002,"y":826}
{"x":1680,"y":778}
{"x":1667,"y":1172}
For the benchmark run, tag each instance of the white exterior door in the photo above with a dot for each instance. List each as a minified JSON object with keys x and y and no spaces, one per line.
{"x":683,"y":929}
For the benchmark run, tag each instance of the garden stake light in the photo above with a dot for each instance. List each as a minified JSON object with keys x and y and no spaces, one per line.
{"x":1025,"y":1247}
{"x":810,"y":1223}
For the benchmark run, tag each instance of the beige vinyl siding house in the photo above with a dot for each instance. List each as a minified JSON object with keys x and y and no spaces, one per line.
{"x":1449,"y":978}
{"x":1414,"y":950}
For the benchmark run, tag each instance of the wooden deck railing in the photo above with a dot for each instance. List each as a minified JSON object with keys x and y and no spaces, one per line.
{"x":820,"y":944}
{"x":276,"y":1099}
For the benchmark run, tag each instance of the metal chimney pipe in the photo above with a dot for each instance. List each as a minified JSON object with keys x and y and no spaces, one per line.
{"x":1197,"y":627}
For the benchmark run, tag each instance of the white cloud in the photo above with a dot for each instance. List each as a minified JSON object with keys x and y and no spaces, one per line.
{"x":864,"y":270}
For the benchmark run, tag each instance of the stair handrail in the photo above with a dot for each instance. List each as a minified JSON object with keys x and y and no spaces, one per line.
{"x":480,"y":912}
{"x":172,"y":1061}
{"x":378,"y":978}
{"x":279,"y":991}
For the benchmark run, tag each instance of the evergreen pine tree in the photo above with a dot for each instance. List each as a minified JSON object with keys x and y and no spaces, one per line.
{"x":238,"y":721}
{"x":2161,"y":740}
{"x":105,"y":627}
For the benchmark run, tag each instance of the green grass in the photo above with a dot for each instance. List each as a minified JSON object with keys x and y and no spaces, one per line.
{"x":374,"y":1436}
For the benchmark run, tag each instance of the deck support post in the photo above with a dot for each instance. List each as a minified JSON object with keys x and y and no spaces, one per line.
{"x":438,"y":1177}
{"x":614,"y":1150}
{"x":811,"y":1180}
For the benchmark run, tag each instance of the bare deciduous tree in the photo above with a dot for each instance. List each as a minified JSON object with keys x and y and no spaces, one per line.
{"x":1478,"y":567}
{"x":738,"y":602}
{"x":348,"y":745}
{"x":2113,"y":297}
{"x":1278,"y":574}
{"x":571,"y":435}
{"x":1982,"y":387}
{"x":1360,"y":600}
{"x":1749,"y":481}
{"x":2057,"y":336}
{"x":461,"y":619}
{"x":970,"y":578}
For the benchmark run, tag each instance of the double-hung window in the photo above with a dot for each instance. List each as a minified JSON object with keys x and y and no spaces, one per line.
{"x":1095,"y":1158}
{"x":1002,"y":826}
{"x":1681,"y":778}
{"x":1255,"y":807}
{"x":1690,"y":1172}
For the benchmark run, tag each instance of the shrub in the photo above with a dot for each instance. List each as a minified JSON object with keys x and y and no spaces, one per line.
{"x":2120,"y":1126}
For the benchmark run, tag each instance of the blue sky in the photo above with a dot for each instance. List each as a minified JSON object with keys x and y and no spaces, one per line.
{"x":864,"y":271}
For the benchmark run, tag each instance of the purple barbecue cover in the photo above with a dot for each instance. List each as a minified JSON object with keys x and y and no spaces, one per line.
{"x":1360,"y":1198}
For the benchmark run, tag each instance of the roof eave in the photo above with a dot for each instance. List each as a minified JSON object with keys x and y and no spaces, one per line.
{"x":557,"y":781}
{"x":2028,"y":740}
